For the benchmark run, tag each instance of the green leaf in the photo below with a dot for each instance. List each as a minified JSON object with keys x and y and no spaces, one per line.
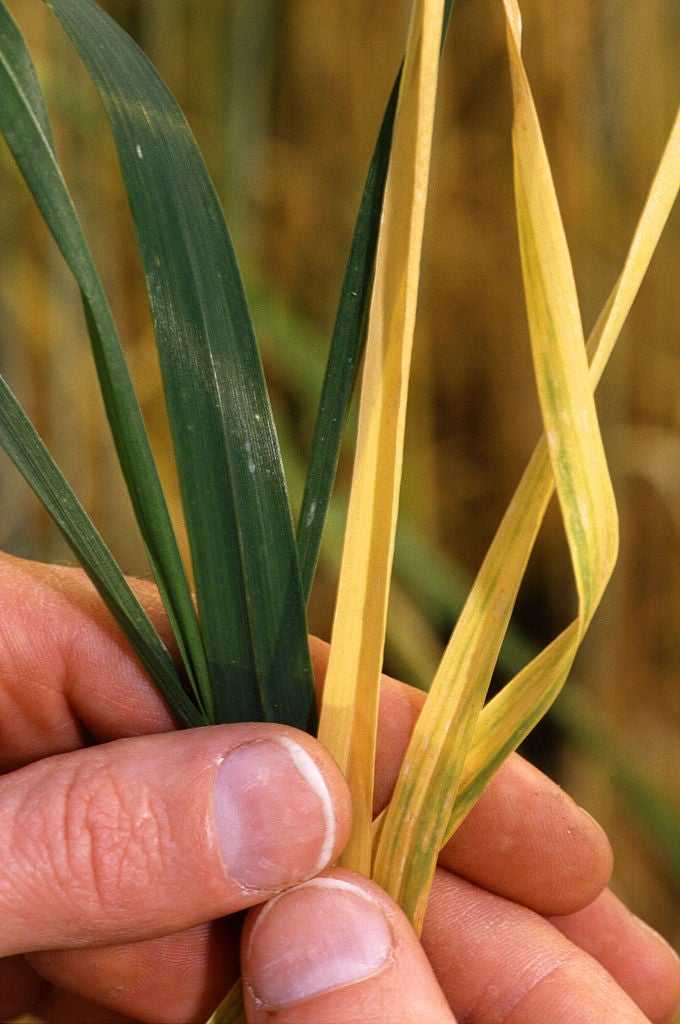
{"x":347,"y":345}
{"x":240,"y":529}
{"x":17,"y":57}
{"x":20,"y":440}
{"x":24,"y":123}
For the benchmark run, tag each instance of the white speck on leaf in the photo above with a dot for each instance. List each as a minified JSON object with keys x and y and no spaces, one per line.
{"x":311,"y":514}
{"x":251,"y":466}
{"x":140,"y":154}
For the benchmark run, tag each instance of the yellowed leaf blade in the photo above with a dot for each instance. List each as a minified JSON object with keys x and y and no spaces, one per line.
{"x":558,"y":347}
{"x":350,"y":699}
{"x":231,"y":1009}
{"x":660,"y":201}
{"x":414,"y":828}
{"x":511,"y":715}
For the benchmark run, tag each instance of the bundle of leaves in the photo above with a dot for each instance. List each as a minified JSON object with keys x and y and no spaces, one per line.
{"x":239,"y":618}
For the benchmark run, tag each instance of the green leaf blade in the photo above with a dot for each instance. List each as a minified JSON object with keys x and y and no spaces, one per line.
{"x":22,"y":444}
{"x":238,"y":517}
{"x":18,"y":58}
{"x":25,"y":126}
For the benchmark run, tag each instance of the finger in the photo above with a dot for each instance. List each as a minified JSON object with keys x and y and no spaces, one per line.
{"x":20,"y":987}
{"x":65,"y":1008}
{"x":177,"y":979}
{"x":147,"y":836}
{"x":336,"y":950}
{"x":498,"y":962}
{"x":525,"y":839}
{"x":65,"y":664}
{"x":180,"y":979}
{"x":638,"y":958}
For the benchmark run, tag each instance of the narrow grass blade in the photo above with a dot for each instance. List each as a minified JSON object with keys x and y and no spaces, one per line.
{"x":16,"y":56}
{"x":347,"y":345}
{"x":291,"y":346}
{"x":512,"y":713}
{"x":238,"y":518}
{"x":415,"y":825}
{"x":411,"y":834}
{"x":231,"y":1009}
{"x":21,"y":442}
{"x":349,"y":708}
{"x":24,"y":123}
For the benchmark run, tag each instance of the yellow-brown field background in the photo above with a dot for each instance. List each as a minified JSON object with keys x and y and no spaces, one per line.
{"x":285,"y":98}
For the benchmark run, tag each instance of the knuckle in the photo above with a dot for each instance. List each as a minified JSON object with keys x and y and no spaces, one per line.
{"x":96,"y":837}
{"x":520,"y":988}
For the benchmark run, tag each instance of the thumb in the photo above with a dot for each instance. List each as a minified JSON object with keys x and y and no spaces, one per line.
{"x":336,"y":950}
{"x":148,"y":836}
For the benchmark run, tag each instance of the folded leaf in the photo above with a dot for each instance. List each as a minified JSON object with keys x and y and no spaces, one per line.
{"x":512,"y":713}
{"x":415,"y":825}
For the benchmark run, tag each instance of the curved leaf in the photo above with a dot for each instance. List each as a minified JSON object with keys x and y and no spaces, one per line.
{"x":455,"y":749}
{"x":509,"y":717}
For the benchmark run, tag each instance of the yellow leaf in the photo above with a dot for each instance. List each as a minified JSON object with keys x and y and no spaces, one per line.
{"x":349,"y":709}
{"x":410,"y":833}
{"x":511,"y":715}
{"x":231,"y":1009}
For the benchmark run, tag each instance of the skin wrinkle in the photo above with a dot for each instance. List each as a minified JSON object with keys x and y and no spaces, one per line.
{"x":77,"y":843}
{"x":504,"y":964}
{"x":29,"y":848}
{"x":95,"y":847}
{"x":600,"y":985}
{"x":19,"y":646}
{"x":123,"y":850}
{"x":485,"y":1008}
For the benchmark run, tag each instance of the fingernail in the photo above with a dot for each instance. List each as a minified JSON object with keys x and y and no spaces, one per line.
{"x":319,"y":937}
{"x":274,"y":814}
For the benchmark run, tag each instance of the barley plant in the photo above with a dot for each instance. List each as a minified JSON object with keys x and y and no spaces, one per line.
{"x":238,"y":616}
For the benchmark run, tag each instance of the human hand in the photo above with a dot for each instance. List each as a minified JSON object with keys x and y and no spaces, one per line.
{"x":111,"y":863}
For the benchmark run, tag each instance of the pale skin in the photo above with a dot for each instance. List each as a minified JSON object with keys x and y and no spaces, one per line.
{"x":122,"y":842}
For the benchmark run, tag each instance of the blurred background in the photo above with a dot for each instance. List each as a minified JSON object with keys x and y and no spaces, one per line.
{"x":285,"y":97}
